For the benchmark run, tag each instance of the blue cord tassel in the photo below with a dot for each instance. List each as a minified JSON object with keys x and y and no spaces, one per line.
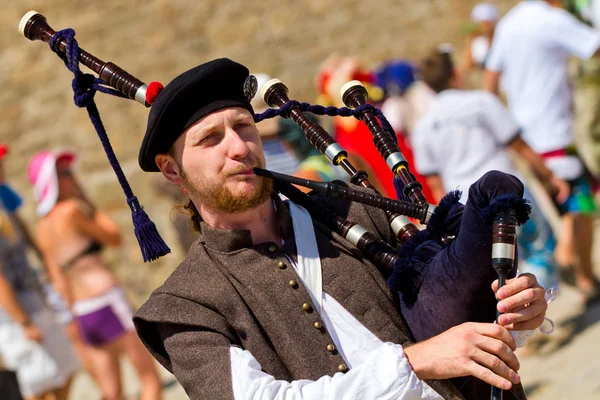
{"x":151,"y":244}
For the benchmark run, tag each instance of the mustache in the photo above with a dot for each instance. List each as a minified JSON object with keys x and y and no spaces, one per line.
{"x":243,"y":167}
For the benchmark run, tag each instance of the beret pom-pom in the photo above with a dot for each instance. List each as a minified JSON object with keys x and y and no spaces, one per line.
{"x":154,"y":88}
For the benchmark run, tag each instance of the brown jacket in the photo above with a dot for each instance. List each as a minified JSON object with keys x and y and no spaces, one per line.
{"x":229,"y":292}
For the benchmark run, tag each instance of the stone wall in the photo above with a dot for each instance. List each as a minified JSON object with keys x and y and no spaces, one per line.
{"x":156,"y":40}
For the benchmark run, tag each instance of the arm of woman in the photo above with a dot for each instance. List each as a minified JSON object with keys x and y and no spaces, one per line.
{"x":10,"y":304}
{"x":97,"y":226}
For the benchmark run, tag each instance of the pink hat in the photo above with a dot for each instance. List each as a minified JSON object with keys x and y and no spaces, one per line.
{"x":41,"y":172}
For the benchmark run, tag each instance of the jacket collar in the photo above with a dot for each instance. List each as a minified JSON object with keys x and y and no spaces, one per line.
{"x":229,"y":240}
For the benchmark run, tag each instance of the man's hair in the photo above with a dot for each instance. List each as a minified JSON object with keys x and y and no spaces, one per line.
{"x":188,"y":208}
{"x":437,"y":70}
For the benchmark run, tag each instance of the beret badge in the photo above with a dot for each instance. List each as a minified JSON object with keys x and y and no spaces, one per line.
{"x":250,"y":87}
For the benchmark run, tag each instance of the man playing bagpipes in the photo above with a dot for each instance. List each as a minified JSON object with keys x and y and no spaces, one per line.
{"x":270,"y":303}
{"x":274,"y":302}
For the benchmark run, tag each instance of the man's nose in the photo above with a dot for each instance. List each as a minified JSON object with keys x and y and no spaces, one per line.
{"x":237,"y":147}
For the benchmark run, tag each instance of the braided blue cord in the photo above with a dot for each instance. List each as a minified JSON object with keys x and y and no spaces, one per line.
{"x":331,"y":111}
{"x":85,"y":87}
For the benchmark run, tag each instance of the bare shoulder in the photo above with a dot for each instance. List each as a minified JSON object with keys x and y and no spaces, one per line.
{"x":72,"y":208}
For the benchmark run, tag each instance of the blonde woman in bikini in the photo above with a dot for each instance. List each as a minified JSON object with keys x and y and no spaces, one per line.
{"x":71,"y":234}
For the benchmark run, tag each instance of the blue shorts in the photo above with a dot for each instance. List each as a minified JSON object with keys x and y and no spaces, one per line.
{"x":581,"y":199}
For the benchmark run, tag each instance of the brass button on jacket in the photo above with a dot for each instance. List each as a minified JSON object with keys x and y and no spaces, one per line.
{"x":342,"y":368}
{"x":293,"y":284}
{"x":330,"y":348}
{"x":318,"y":325}
{"x":281,"y":265}
{"x":306,"y":307}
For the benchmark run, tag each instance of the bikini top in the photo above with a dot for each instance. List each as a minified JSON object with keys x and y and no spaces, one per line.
{"x":93,"y":248}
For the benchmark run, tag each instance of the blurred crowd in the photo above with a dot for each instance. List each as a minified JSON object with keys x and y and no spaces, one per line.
{"x":504,"y":103}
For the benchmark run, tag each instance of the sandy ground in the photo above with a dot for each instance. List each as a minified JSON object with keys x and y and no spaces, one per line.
{"x":84,"y":387}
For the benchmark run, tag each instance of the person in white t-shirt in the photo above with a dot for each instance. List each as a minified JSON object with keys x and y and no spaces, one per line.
{"x":463,"y":135}
{"x":484,"y":18}
{"x":530,"y":51}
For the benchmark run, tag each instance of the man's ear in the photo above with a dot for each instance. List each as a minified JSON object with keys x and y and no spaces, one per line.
{"x":169,"y":168}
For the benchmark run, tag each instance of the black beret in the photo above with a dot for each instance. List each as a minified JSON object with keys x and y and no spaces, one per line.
{"x":192,"y":95}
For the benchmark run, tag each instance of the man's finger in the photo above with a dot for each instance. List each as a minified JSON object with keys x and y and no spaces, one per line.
{"x":497,"y":366}
{"x":516,"y":285}
{"x":523,"y":314}
{"x":497,"y":332}
{"x":529,"y":325}
{"x":495,"y":283}
{"x":488,"y":376}
{"x":520,"y":299}
{"x":502,"y":351}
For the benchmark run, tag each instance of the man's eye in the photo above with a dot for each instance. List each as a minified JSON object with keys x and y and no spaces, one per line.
{"x":208,"y":137}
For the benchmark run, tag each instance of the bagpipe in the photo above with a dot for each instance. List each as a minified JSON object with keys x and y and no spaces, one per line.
{"x":442,"y":274}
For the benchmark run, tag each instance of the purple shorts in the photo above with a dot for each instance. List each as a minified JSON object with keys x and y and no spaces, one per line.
{"x":104,"y":318}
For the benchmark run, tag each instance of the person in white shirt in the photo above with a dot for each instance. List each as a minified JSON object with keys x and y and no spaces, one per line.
{"x":466,"y":133}
{"x":530,"y":51}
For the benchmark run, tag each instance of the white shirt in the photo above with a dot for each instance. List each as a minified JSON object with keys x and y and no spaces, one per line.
{"x":462,"y":136}
{"x":531,"y":47}
{"x":378,"y":370}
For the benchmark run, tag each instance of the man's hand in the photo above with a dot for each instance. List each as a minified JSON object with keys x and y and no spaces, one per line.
{"x":560,"y":189}
{"x":522,"y":302}
{"x":485,"y":351}
{"x":33,"y":333}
